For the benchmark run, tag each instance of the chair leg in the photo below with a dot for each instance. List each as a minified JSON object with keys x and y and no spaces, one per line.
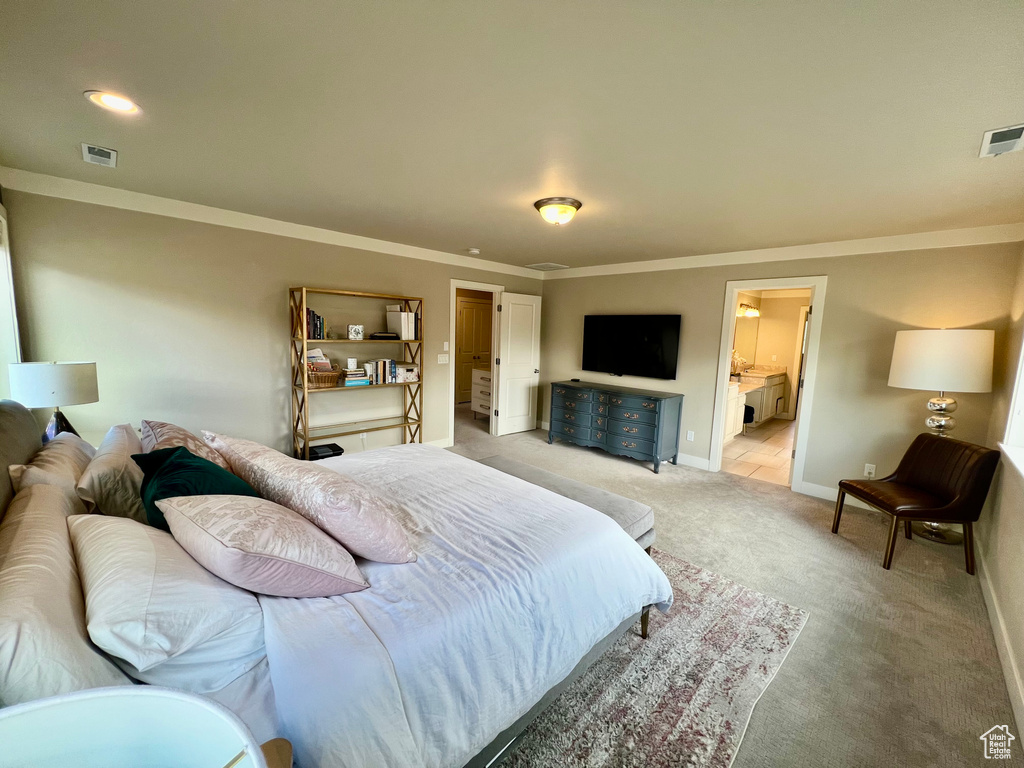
{"x":839,"y":511}
{"x":969,"y":546}
{"x":890,"y":547}
{"x":906,"y":529}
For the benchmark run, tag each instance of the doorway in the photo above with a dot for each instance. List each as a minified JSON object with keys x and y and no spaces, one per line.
{"x":473,"y":310}
{"x":767,"y":366}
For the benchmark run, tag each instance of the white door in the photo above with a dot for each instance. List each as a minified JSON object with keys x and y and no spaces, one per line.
{"x":10,"y":345}
{"x":517,"y":363}
{"x":800,"y":384}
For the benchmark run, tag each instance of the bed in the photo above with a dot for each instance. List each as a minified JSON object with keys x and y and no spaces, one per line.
{"x":441,"y":662}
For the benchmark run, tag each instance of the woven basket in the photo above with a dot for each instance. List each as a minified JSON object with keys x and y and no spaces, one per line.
{"x":323,"y":379}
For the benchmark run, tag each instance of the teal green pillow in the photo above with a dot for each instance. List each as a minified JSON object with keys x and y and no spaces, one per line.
{"x":177,"y":472}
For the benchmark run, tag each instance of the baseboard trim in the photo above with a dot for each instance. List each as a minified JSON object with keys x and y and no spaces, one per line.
{"x":696,"y":462}
{"x":1004,"y":646}
{"x":444,"y":442}
{"x":543,"y":425}
{"x":827,"y":493}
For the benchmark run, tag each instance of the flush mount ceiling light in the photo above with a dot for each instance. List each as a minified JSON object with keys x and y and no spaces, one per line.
{"x":113,"y":102}
{"x":748,"y":310}
{"x":558,"y":210}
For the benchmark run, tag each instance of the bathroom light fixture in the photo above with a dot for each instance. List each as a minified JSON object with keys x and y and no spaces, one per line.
{"x":748,"y":310}
{"x":558,"y":210}
{"x":113,"y":102}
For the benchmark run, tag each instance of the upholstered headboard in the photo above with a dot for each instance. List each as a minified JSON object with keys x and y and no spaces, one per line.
{"x":19,"y":440}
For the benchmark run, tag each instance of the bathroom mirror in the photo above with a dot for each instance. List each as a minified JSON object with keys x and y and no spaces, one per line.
{"x":746,"y":338}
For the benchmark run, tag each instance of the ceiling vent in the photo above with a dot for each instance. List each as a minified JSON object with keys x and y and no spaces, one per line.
{"x":1002,"y":140}
{"x":99,"y":155}
{"x":546,"y":266}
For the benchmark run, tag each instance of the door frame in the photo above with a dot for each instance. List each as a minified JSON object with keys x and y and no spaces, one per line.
{"x":495,"y":291}
{"x":733,"y":288}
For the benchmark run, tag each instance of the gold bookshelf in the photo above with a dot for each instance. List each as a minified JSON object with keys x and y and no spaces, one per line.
{"x":410,"y":421}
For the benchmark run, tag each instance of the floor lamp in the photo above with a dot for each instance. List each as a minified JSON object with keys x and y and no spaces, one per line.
{"x":953,"y":360}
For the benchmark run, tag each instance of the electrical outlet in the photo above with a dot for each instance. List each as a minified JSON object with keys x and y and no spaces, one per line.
{"x":442,"y":359}
{"x":775,"y":358}
{"x":362,"y":435}
{"x":869,"y":471}
{"x":689,"y":435}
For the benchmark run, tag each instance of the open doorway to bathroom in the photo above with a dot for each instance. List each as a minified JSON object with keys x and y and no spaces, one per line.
{"x":768,"y":357}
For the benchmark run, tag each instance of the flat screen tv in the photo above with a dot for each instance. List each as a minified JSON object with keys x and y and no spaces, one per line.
{"x":632,"y":345}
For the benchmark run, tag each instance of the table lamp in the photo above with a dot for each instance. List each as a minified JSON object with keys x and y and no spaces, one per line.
{"x":947,"y":360}
{"x":51,"y":385}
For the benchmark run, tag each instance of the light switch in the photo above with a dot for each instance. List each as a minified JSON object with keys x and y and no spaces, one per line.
{"x":446,"y":346}
{"x":442,"y":359}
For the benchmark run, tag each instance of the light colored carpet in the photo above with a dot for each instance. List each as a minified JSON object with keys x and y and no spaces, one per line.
{"x":681,"y":697}
{"x":893,"y":667}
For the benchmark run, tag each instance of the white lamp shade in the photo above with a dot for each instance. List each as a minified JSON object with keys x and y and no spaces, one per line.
{"x":50,"y":385}
{"x":956,"y":360}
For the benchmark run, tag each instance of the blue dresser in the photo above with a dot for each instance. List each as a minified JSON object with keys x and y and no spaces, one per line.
{"x":638,"y":423}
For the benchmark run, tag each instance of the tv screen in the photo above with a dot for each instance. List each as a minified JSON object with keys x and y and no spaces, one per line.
{"x":632,"y":345}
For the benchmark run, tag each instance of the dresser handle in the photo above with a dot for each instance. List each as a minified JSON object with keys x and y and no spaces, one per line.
{"x":486,"y":378}
{"x":631,"y":430}
{"x":599,"y":421}
{"x":571,"y":416}
{"x":570,"y":404}
{"x":559,"y":391}
{"x":650,"y":405}
{"x":617,"y":401}
{"x":570,"y":430}
{"x":600,"y":409}
{"x":626,"y":444}
{"x":629,"y":415}
{"x":599,"y":435}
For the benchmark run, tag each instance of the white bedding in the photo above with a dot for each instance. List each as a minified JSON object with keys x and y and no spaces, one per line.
{"x":513,"y":585}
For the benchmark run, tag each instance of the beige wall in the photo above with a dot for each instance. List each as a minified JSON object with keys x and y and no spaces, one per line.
{"x":188,"y":322}
{"x":857,"y":418}
{"x":777,"y":334}
{"x":1001,"y":527}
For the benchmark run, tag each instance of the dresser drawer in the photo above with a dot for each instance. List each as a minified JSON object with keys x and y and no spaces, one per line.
{"x":631,"y":429}
{"x":568,"y":393}
{"x":580,"y":406}
{"x":571,"y":417}
{"x":640,"y":449}
{"x":482,"y":378}
{"x":481,"y":393}
{"x":638,"y":415}
{"x":599,"y":421}
{"x":484,"y":408}
{"x":570,"y":430}
{"x":632,"y":402}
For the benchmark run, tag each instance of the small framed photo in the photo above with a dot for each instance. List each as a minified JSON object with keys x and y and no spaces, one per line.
{"x":355,"y":332}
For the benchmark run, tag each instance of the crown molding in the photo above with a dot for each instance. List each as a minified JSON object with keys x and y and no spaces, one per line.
{"x":111,"y":197}
{"x":97,"y":194}
{"x":920,"y":241}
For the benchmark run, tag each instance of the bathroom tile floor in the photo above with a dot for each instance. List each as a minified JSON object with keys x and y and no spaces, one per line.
{"x":763,"y":453}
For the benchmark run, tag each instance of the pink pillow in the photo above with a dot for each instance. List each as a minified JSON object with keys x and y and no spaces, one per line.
{"x":160,"y":434}
{"x":365,"y":522}
{"x":260,"y":546}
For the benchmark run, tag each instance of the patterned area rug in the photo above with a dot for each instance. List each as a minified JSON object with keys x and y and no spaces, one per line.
{"x":684,"y":696}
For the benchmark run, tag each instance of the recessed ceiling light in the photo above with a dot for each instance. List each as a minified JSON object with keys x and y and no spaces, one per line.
{"x":558,"y":210}
{"x":113,"y":102}
{"x":473,"y":251}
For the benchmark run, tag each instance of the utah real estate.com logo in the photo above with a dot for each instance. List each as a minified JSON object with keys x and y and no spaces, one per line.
{"x":997,"y":742}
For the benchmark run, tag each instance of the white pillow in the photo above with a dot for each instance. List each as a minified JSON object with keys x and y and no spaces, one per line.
{"x":165,"y":619}
{"x":59,"y":462}
{"x":112,"y":483}
{"x":44,"y":648}
{"x":261,"y":546}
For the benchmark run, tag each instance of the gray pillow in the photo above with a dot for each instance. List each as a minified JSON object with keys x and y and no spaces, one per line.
{"x":112,"y":482}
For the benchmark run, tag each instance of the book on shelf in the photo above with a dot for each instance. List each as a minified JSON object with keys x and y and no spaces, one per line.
{"x":405,"y":324}
{"x":316,"y":328}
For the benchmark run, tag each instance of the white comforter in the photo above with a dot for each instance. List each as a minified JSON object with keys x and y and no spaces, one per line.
{"x":513,"y":585}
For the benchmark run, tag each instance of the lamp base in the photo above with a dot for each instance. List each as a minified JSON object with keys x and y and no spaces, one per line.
{"x":58,"y":423}
{"x":941,"y":421}
{"x":937,"y":532}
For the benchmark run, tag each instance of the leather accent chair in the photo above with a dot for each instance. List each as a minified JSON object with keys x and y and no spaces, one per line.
{"x":939,"y":480}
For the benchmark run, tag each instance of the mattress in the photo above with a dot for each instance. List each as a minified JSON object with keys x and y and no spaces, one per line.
{"x":512,"y":586}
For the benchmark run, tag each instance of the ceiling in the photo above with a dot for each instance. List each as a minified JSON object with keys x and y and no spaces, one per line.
{"x":685,"y":127}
